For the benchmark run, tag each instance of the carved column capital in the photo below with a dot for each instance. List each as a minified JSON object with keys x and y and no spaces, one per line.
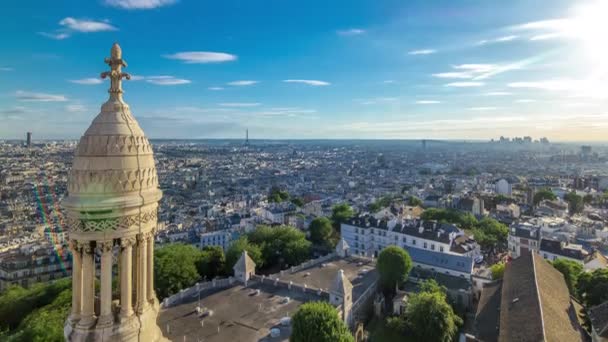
{"x":127,"y":241}
{"x":87,"y":248}
{"x":75,"y":246}
{"x":105,"y":246}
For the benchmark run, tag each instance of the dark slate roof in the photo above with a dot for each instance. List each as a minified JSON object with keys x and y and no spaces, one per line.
{"x":451,"y":262}
{"x":487,"y":318}
{"x":524,"y":233}
{"x":555,"y":247}
{"x":536,"y":304}
{"x":599,"y":319}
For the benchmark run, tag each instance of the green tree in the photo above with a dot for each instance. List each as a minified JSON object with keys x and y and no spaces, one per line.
{"x":575,"y":202}
{"x":592,"y":287}
{"x":297,"y":201}
{"x":432,"y":286}
{"x":321,"y":231}
{"x":394,"y":266}
{"x":175,"y":268}
{"x":16,"y":302}
{"x":212,"y":262}
{"x":281,"y":245}
{"x":491,"y":234}
{"x":277,"y":195}
{"x":588,"y":199}
{"x":498,"y":270}
{"x":414,"y":201}
{"x":571,"y":271}
{"x":236,"y":249}
{"x":46,"y":324}
{"x":431,"y":318}
{"x":340,"y":213}
{"x":544,"y":194}
{"x":318,"y":322}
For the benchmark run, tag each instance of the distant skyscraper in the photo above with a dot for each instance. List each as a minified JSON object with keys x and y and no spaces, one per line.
{"x":112,"y":208}
{"x":29,"y":139}
{"x":247,"y":137}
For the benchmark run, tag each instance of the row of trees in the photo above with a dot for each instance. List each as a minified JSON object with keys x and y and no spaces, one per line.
{"x":591,"y":288}
{"x":489,"y":233}
{"x":385,"y":201}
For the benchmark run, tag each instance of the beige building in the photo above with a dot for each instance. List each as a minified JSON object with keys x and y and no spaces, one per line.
{"x":112,"y":210}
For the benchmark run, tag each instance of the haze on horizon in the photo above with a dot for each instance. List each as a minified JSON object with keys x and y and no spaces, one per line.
{"x":350,"y":69}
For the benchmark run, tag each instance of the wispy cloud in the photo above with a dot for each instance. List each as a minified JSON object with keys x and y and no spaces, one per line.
{"x":502,"y":39}
{"x":376,"y":100}
{"x":388,"y":81}
{"x":139,"y":4}
{"x":75,"y":108}
{"x":88,"y":81}
{"x":242,"y":83}
{"x":6,"y":69}
{"x":39,"y":97}
{"x":453,"y":74}
{"x":202,"y":57}
{"x":481,"y":109}
{"x":427,"y":102}
{"x":84,"y":25}
{"x":315,"y":83}
{"x":55,"y":35}
{"x":465,"y":84}
{"x":478,"y":72}
{"x":239,"y":104}
{"x":422,"y":52}
{"x":497,"y":93}
{"x":216,"y":88}
{"x":351,"y":32}
{"x":525,"y":101}
{"x":166,"y":80}
{"x":547,"y":84}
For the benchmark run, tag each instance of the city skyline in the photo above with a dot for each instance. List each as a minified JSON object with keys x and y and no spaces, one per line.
{"x":447,"y":70}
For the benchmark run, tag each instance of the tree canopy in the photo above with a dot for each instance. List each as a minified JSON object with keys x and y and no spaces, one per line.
{"x":212,"y":262}
{"x":464,"y":220}
{"x":571,"y":271}
{"x":236,"y":249}
{"x":575,"y":202}
{"x":340,"y":213}
{"x":321,"y":232}
{"x":491,"y":234}
{"x":318,"y":322}
{"x":431,"y":318}
{"x":592,"y":287}
{"x":414,"y":201}
{"x":497,"y":270}
{"x":277,"y":195}
{"x":175,"y":268}
{"x":544,"y":194}
{"x":281,"y":245}
{"x":394,"y":265}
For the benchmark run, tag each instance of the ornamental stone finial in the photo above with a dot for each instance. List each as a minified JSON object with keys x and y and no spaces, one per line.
{"x":115,"y":74}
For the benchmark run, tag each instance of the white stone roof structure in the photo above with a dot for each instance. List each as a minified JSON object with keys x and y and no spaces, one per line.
{"x":341,"y":284}
{"x":245,"y":264}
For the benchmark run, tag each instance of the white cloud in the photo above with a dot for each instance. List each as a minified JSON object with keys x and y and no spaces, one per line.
{"x":39,"y":97}
{"x":84,"y":25}
{"x":462,"y":75}
{"x":239,"y":104}
{"x":478,"y":72}
{"x":315,"y":83}
{"x":422,"y":52}
{"x":547,"y":85}
{"x":75,"y":107}
{"x":376,"y":100}
{"x":6,"y":69}
{"x":215,"y":88}
{"x":483,"y":108}
{"x":202,"y":57}
{"x":88,"y":81}
{"x":351,"y":32}
{"x":525,"y":101}
{"x":137,"y":78}
{"x":426,"y":102}
{"x":498,"y":40}
{"x":166,"y":80}
{"x":498,"y":93}
{"x":242,"y":83}
{"x":56,"y":35}
{"x":464,"y":84}
{"x":139,"y":4}
{"x":388,"y":81}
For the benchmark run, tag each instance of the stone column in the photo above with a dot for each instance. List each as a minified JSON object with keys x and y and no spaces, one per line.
{"x":126,"y":277}
{"x":76,"y":250}
{"x":105,"y":298}
{"x":141,"y":297}
{"x":87,"y":317}
{"x":150,"y":271}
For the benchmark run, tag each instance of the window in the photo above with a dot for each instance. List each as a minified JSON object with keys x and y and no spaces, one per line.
{"x":441,"y":248}
{"x":433,"y":246}
{"x":425,"y":245}
{"x":414,"y":242}
{"x":396,"y":238}
{"x":404,"y":239}
{"x":545,"y":255}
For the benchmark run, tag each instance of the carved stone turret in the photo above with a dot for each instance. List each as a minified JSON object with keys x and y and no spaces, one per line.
{"x":111,"y":207}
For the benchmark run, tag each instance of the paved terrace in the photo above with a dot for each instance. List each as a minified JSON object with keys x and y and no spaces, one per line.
{"x":239,"y":313}
{"x":361,"y":273}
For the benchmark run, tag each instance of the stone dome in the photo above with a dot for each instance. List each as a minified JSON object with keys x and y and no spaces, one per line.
{"x":113,"y":167}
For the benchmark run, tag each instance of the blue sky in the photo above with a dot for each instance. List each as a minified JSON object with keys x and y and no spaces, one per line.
{"x":445,"y":69}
